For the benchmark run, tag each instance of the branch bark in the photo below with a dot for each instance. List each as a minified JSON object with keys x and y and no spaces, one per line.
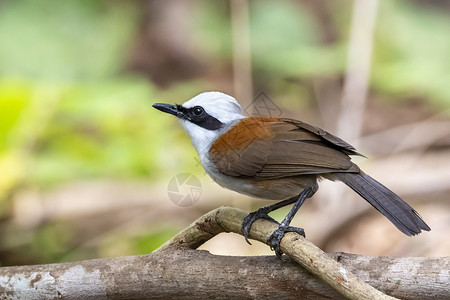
{"x":177,"y":271}
{"x":226,"y":219}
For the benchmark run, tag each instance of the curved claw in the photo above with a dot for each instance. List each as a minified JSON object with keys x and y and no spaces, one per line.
{"x":275,"y":239}
{"x":246,"y":225}
{"x":251,"y":218}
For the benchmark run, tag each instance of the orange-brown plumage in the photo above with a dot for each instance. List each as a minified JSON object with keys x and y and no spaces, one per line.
{"x":268,"y":148}
{"x":243,"y":133}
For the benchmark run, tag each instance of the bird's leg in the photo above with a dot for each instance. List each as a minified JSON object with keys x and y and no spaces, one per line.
{"x":275,"y":239}
{"x":262,"y":213}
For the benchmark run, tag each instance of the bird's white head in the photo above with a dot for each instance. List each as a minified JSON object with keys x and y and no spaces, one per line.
{"x":205,"y":117}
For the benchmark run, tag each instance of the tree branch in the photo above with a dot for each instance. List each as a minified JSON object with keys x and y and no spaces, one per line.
{"x":226,"y":219}
{"x":176,"y":271}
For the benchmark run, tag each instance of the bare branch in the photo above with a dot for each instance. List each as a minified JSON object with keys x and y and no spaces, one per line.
{"x":176,"y":271}
{"x":226,"y":219}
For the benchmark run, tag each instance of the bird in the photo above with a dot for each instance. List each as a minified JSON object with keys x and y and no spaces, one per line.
{"x":280,"y":159}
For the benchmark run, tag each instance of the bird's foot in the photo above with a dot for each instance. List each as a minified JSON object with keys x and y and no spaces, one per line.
{"x":275,"y":239}
{"x":261,"y":213}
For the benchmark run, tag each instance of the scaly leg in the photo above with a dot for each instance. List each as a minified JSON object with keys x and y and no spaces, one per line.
{"x":262,"y":213}
{"x":277,"y":235}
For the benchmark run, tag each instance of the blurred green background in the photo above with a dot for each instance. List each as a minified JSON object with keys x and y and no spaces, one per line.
{"x":85,"y":161}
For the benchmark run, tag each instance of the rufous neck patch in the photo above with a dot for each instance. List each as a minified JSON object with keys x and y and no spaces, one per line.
{"x":240,"y":135}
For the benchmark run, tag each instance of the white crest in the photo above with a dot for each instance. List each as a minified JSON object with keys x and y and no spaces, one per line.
{"x":221,"y":106}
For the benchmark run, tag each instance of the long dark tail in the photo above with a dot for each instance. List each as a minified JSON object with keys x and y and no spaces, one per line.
{"x":385,"y":201}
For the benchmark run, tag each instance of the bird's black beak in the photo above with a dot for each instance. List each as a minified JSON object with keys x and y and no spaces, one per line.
{"x":168,"y":108}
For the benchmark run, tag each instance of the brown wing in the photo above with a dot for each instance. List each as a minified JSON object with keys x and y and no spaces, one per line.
{"x":336,"y":142}
{"x":265,"y":147}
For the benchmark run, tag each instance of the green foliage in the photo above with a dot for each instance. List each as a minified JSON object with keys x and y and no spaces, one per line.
{"x":412,"y":52}
{"x":285,"y":41}
{"x":64,"y":40}
{"x":212,"y":26}
{"x":145,"y":244}
{"x":51,"y":242}
{"x":14,"y":98}
{"x":65,"y":111}
{"x":69,"y":111}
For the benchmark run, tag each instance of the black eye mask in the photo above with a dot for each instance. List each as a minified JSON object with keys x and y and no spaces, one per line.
{"x":200,"y":117}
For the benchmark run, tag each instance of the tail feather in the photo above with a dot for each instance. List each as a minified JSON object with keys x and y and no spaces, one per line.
{"x":403,"y":216}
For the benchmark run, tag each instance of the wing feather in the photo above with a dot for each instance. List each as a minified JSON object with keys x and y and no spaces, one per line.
{"x":287,"y":148}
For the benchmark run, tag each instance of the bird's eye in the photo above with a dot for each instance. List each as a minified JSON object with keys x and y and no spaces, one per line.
{"x":198,"y":110}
